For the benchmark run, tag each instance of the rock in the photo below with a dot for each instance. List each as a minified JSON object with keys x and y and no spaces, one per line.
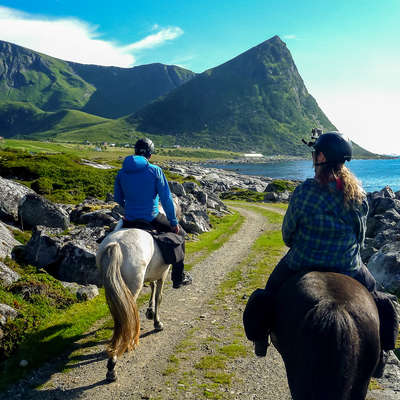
{"x":190,"y":187}
{"x":382,"y":204}
{"x":7,"y":275}
{"x":10,"y":195}
{"x":378,"y":223}
{"x":82,"y":292}
{"x":177,"y":188}
{"x":384,"y":237}
{"x":7,"y":313}
{"x":387,"y":192}
{"x":109,"y":198}
{"x":97,"y":218}
{"x":87,"y":292}
{"x":195,"y":222}
{"x":35,"y":210}
{"x":385,"y":266}
{"x":7,"y":241}
{"x":200,"y":196}
{"x":78,"y":263}
{"x":23,"y":363}
{"x":44,"y":247}
{"x":271,"y":196}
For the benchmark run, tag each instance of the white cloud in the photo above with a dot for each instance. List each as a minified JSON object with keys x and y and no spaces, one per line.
{"x":289,"y":37}
{"x":74,"y":40}
{"x":155,"y":39}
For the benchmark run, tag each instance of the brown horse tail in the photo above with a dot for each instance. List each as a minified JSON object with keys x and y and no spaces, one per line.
{"x":120,"y":301}
{"x":334,"y":347}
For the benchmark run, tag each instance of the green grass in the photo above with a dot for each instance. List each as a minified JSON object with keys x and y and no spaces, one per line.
{"x":57,"y":332}
{"x":223,"y":228}
{"x":243,"y":195}
{"x":108,"y":153}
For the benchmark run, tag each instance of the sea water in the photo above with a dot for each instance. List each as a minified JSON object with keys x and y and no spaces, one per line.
{"x":373,"y":174}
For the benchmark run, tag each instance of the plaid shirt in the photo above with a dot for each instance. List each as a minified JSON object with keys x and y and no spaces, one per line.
{"x":321,"y":232}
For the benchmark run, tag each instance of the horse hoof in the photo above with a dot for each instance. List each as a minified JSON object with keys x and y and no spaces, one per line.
{"x":149,"y":313}
{"x":158,"y":326}
{"x":111,"y":376}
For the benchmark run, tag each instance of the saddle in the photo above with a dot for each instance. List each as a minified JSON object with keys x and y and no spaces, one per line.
{"x":170,"y":244}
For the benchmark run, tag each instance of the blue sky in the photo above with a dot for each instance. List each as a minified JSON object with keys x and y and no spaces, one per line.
{"x":348,"y":52}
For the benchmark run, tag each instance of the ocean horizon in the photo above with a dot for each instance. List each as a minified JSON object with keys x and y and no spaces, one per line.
{"x":373,"y":174}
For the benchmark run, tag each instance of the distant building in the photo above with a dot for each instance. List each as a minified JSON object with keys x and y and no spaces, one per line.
{"x":253,"y":155}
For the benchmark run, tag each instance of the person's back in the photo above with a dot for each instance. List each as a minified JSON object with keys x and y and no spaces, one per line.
{"x":321,"y":231}
{"x":138,"y":188}
{"x":139,"y":185}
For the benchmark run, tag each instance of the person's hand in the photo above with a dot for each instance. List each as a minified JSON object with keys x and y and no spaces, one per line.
{"x":176,"y":229}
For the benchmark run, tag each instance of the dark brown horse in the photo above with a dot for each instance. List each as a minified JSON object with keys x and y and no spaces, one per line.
{"x":327,"y":331}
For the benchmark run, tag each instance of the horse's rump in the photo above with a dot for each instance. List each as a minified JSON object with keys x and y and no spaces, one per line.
{"x":327,"y":331}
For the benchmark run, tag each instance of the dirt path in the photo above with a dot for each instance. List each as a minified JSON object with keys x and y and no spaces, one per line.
{"x":140,"y":373}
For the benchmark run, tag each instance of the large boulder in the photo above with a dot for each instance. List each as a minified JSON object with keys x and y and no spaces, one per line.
{"x":385,"y":266}
{"x":7,"y":275}
{"x":44,"y":246}
{"x":196,"y":221}
{"x":7,"y":241}
{"x":78,"y":264}
{"x":10,"y":195}
{"x":35,"y":210}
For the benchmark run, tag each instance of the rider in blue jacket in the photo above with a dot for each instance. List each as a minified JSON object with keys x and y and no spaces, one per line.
{"x":139,"y":186}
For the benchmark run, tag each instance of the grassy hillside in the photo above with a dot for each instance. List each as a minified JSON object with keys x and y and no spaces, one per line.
{"x":19,"y":119}
{"x":44,"y":81}
{"x":52,"y":84}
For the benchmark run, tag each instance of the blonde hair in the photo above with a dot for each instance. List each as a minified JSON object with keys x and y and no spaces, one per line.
{"x":353,"y":193}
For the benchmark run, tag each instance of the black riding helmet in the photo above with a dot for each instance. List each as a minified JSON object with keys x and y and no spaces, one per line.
{"x":336,"y":147}
{"x":144,"y":147}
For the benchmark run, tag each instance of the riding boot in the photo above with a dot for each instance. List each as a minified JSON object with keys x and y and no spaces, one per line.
{"x":258,"y":316}
{"x":179,"y":277}
{"x":388,"y":318}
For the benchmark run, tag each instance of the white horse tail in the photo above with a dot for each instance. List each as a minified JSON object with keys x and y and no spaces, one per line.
{"x":120,"y":301}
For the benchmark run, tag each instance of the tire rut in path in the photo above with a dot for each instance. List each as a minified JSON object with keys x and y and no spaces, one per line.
{"x":140,"y":372}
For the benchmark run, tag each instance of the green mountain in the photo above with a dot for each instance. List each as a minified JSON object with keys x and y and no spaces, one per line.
{"x":121,"y":91}
{"x":256,"y":101}
{"x":52,"y":84}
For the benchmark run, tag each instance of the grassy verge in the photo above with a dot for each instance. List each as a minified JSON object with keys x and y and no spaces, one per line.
{"x":223,"y":228}
{"x":58,"y":331}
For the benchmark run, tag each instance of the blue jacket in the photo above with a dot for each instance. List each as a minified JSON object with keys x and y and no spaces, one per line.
{"x":138,"y":187}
